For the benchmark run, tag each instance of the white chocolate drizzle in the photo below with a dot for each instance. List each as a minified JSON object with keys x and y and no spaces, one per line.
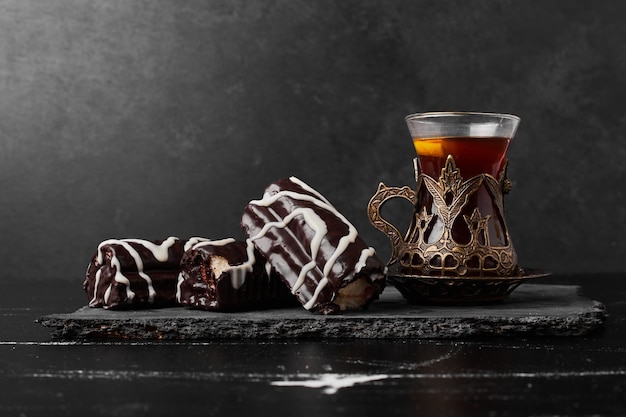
{"x":178,"y":289}
{"x":320,"y":286}
{"x":308,"y":188}
{"x":365,"y":255}
{"x":193,"y":241}
{"x":107,"y":293}
{"x":238,"y":273}
{"x":93,"y":301}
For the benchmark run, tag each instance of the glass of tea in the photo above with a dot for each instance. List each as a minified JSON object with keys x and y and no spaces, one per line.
{"x":458,"y":227}
{"x":477,"y":141}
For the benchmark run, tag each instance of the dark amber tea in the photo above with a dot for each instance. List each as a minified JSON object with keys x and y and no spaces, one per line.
{"x":473,"y":155}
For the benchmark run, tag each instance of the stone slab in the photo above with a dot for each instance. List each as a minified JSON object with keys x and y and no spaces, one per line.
{"x":531,"y":310}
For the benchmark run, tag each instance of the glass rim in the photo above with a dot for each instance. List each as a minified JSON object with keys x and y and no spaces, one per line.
{"x":436,"y":114}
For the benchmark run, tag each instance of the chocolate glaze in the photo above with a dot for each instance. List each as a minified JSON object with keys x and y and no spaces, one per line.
{"x":135,"y":273}
{"x":230,"y":275}
{"x":314,"y":249}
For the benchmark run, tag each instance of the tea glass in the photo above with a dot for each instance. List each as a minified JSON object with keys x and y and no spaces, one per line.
{"x":458,"y":236}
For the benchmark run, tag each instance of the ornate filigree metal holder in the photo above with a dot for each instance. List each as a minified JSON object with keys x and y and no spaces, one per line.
{"x":430,"y":264}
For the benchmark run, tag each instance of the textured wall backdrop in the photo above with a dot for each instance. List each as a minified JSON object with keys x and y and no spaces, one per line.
{"x":150,"y":118}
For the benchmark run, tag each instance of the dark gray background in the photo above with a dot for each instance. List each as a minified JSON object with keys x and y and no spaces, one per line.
{"x":151,"y":118}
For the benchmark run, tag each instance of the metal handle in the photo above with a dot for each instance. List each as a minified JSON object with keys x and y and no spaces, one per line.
{"x":382,"y":195}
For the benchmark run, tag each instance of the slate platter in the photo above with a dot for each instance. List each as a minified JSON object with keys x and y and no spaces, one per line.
{"x":531,"y":310}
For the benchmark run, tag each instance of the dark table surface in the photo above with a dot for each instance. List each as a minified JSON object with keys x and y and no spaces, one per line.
{"x":539,"y":376}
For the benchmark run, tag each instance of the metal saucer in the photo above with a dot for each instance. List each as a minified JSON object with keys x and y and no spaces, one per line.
{"x":422,"y":289}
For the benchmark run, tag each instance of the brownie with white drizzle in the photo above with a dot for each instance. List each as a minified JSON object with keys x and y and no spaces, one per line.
{"x":135,"y":273}
{"x":315,"y":250}
{"x":229,"y":275}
